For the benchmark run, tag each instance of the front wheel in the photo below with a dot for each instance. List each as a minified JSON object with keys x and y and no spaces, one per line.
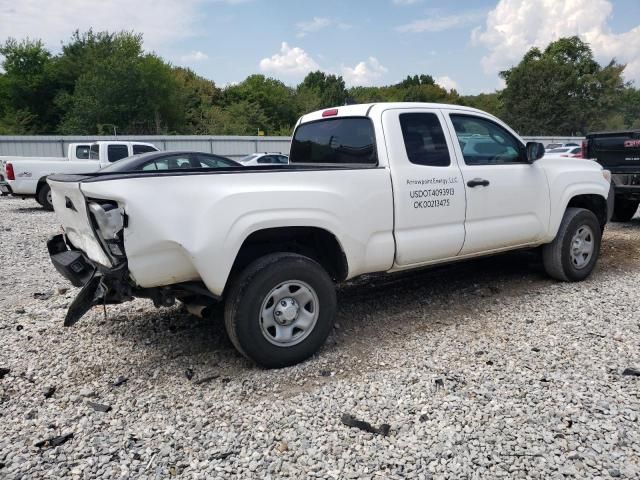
{"x":573,"y":254}
{"x":280,"y":309}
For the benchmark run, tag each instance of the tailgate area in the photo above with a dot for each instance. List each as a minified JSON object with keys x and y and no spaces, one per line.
{"x":71,"y":208}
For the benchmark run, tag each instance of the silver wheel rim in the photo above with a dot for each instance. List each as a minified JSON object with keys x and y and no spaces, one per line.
{"x":289,"y":313}
{"x":49,"y":198}
{"x":582,"y":245}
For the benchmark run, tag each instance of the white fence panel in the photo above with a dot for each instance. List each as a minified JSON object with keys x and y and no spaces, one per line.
{"x":229,"y":146}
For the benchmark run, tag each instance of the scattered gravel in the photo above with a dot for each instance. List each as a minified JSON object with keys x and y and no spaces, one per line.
{"x":481,"y":370}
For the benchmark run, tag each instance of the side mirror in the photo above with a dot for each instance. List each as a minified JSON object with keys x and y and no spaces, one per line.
{"x":535,"y":151}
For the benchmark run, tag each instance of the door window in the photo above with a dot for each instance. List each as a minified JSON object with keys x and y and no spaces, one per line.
{"x":94,"y":152}
{"x":174,"y":162}
{"x":117,"y":152}
{"x":484,"y":142}
{"x":82,"y":152}
{"x":424,"y":139}
{"x":212,"y":161}
{"x":137,"y":149}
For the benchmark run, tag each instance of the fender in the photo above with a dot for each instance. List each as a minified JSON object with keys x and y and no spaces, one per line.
{"x":562,"y":199}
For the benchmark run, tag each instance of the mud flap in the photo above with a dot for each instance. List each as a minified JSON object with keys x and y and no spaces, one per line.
{"x":93,"y":293}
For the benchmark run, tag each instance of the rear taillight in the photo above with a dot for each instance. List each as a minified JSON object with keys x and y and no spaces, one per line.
{"x":108,"y":222}
{"x":10,"y":173}
{"x":585,"y":147}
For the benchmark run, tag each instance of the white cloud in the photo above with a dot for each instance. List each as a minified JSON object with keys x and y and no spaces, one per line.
{"x":55,"y":21}
{"x":406,"y":2}
{"x":318,"y":23}
{"x":195,"y":56}
{"x":514,"y":26}
{"x":364,"y":73}
{"x":447,"y":83}
{"x":440,"y":23}
{"x":290,"y":61}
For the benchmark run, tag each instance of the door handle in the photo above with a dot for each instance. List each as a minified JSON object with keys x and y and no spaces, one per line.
{"x":478,"y":182}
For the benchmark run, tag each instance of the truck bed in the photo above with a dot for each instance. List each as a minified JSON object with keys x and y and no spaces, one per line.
{"x":176,"y":231}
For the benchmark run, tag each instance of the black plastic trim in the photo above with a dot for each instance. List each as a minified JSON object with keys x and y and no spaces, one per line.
{"x":97,"y":177}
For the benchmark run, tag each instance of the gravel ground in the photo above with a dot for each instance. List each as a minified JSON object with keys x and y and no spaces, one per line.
{"x":482,"y":370}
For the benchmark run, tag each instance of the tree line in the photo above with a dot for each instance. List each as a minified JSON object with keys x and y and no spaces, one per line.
{"x":101,"y":82}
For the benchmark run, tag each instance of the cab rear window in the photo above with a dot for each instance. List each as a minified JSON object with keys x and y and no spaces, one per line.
{"x":343,"y":141}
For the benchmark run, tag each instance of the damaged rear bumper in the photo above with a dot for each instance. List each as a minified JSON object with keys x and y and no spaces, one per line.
{"x":100,"y":285}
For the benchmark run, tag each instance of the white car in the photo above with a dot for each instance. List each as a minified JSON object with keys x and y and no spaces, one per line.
{"x":370,"y":188}
{"x":571,"y":152}
{"x":261,"y":159}
{"x":552,"y":146}
{"x":27,"y":176}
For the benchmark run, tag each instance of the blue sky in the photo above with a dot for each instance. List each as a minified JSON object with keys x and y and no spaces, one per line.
{"x":463,"y":44}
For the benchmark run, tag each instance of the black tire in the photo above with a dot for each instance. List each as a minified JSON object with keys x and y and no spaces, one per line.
{"x":557,"y":255}
{"x":43,"y":196}
{"x":624,"y":209}
{"x":244,"y":320}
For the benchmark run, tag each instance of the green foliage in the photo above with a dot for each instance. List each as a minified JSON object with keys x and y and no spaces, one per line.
{"x":628,"y":107}
{"x":561,"y":91}
{"x":109,"y":80}
{"x":102,"y":80}
{"x":320,"y":90}
{"x":199,"y":100}
{"x":412,"y":89}
{"x":417,"y":80}
{"x":488,"y":102}
{"x":275,"y":99}
{"x":27,"y":88}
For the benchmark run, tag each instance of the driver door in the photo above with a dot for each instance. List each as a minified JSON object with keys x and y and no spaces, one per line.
{"x":507,"y":197}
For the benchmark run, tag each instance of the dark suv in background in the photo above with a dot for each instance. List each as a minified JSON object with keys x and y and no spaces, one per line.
{"x":618,"y":152}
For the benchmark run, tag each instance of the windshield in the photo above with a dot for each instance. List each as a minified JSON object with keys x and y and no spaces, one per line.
{"x":248,"y":158}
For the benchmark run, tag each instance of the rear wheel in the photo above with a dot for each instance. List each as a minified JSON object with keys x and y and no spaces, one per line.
{"x":624,"y":210}
{"x":573,"y":254}
{"x":280,"y":309}
{"x":44,"y":197}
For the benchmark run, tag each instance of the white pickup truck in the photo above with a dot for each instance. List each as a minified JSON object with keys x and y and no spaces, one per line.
{"x":26,"y":176}
{"x":370,"y":188}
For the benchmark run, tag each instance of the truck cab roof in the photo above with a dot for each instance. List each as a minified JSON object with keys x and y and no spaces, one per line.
{"x":365,"y":109}
{"x":120,"y":142}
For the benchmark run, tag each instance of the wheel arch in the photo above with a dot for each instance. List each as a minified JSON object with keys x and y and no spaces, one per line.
{"x":316,"y":243}
{"x":591,"y":196}
{"x":592,"y":202}
{"x":42,"y":181}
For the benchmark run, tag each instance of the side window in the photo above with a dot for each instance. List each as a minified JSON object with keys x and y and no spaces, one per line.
{"x":212,"y":161}
{"x":424,"y":139}
{"x":283,"y":160}
{"x":174,"y":162}
{"x":339,"y":140}
{"x":82,"y":152}
{"x":266,"y":159}
{"x":117,"y":152}
{"x":137,"y":149}
{"x":94,"y":152}
{"x":484,"y":142}
{"x":150,"y":166}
